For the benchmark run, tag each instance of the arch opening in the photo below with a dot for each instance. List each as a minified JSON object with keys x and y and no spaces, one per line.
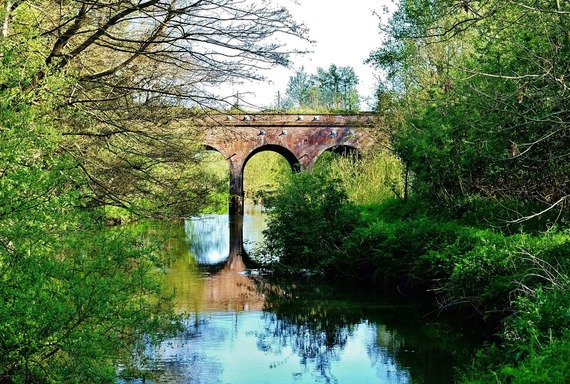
{"x":287,"y":154}
{"x":264,"y":170}
{"x":331,"y":155}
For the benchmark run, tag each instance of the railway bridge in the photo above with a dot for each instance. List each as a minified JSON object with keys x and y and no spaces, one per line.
{"x":299,"y":138}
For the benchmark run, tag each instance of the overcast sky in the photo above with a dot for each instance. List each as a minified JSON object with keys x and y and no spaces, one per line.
{"x":344,"y":31}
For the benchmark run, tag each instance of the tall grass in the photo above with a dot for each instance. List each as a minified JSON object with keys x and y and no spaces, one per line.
{"x":368,"y":178}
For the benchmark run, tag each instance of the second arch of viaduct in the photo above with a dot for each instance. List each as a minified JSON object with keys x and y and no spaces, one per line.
{"x":300,"y":139}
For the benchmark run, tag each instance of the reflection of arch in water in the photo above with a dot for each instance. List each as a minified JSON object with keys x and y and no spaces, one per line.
{"x":217,"y":241}
{"x":208,"y":237}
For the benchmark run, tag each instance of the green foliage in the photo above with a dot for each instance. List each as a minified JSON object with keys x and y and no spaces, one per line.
{"x":75,"y":298}
{"x":414,"y":255}
{"x":536,"y":339}
{"x":160,"y":174}
{"x":214,"y":168}
{"x":134,"y":108}
{"x":517,"y":280}
{"x":337,"y":87}
{"x":476,"y":97}
{"x":478,"y":110}
{"x":300,"y":92}
{"x":74,"y":315}
{"x":369,"y":178}
{"x":333,"y":89}
{"x":263,"y":174}
{"x":310,"y":219}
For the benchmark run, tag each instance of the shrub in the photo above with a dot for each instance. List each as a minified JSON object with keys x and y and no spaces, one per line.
{"x":309,"y":221}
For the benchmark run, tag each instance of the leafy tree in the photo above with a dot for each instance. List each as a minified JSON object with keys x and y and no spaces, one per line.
{"x":310,"y":219}
{"x":337,"y":88}
{"x":298,"y":93}
{"x":332,"y":89}
{"x":74,"y":299}
{"x":87,"y":90}
{"x":138,"y":74}
{"x":481,"y":95}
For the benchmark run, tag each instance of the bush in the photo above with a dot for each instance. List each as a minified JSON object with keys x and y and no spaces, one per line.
{"x":535,"y":341}
{"x":308,"y":223}
{"x":535,"y":344}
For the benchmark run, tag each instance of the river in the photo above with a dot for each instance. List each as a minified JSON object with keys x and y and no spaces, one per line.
{"x":238,"y":329}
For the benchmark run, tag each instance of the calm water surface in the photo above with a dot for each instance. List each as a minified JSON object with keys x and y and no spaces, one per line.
{"x":241,"y":330}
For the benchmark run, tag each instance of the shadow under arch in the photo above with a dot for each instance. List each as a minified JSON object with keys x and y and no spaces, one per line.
{"x":347,"y":151}
{"x":211,"y":148}
{"x":208,"y":147}
{"x":344,"y":150}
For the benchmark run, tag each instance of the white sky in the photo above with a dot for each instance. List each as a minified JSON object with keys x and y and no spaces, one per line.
{"x":344,"y":32}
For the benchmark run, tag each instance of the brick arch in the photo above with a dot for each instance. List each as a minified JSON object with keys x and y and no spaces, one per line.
{"x":286,"y":153}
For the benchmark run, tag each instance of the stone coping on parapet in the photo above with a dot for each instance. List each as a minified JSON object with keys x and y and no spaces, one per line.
{"x":292,"y":120}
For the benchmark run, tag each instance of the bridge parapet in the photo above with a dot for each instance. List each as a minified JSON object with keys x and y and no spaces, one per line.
{"x":292,"y":120}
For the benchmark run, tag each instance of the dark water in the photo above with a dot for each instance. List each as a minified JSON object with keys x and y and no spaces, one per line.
{"x":239,"y":329}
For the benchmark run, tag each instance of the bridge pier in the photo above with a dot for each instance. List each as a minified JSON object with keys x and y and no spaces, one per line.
{"x":236,"y":188}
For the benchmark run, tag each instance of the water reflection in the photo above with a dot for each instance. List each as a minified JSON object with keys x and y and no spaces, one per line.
{"x":313,"y":335}
{"x":209,"y":238}
{"x":217,"y":251}
{"x":242,"y":330}
{"x":331,"y":327}
{"x":214,"y":239}
{"x":241,"y":348}
{"x":228,"y":288}
{"x":253,"y":225}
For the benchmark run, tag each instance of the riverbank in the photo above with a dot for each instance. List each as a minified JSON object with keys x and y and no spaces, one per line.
{"x":516,"y":281}
{"x":515,"y":278}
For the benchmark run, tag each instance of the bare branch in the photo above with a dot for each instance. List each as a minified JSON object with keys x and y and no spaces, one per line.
{"x":537,"y":214}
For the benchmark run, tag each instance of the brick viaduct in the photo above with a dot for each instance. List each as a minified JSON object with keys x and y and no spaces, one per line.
{"x":299,"y":138}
